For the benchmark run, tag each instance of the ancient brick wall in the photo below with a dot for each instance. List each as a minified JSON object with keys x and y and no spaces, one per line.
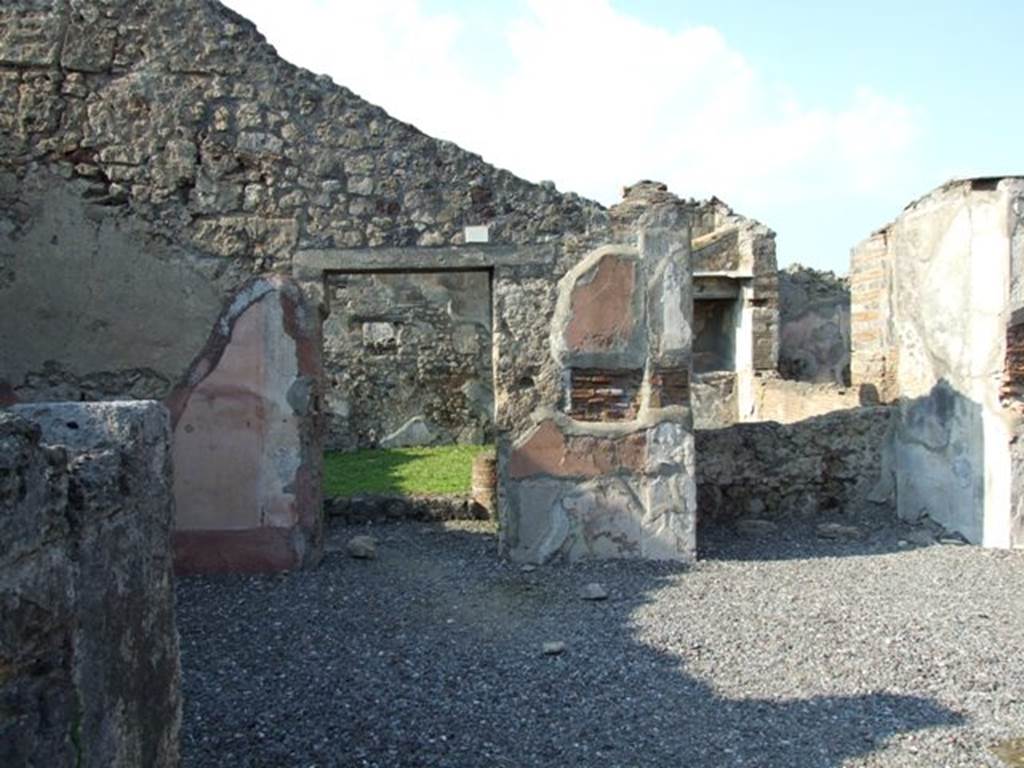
{"x":89,"y":668}
{"x":873,"y":360}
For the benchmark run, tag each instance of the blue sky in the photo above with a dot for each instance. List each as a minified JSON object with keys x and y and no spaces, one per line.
{"x":820,"y":119}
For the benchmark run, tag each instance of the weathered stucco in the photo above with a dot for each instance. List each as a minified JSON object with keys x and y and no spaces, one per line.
{"x":931,"y":306}
{"x":785,"y":401}
{"x":248,"y":450}
{"x":612,"y":476}
{"x":92,"y":305}
{"x":814,"y":325}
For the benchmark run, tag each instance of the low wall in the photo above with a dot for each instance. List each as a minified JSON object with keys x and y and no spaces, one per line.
{"x":89,"y":666}
{"x":383,"y":507}
{"x":770,"y":470}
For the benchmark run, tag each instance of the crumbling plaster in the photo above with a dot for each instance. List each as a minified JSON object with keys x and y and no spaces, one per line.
{"x":814,"y":323}
{"x":624,"y":487}
{"x":943,"y":270}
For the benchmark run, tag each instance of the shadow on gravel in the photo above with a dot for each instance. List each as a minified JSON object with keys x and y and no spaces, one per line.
{"x":799,"y":540}
{"x":430,"y":655}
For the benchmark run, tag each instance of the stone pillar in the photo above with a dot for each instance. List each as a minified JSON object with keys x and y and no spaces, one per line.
{"x":89,"y":666}
{"x":609,"y":471}
{"x":872,"y":361}
{"x":248,"y":451}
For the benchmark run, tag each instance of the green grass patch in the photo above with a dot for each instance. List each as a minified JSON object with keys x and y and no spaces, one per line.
{"x":437,"y":471}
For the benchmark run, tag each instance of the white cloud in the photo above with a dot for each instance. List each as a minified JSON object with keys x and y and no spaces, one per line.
{"x":594,"y":99}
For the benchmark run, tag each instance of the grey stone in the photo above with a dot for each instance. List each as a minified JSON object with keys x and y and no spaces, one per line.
{"x":781,"y":466}
{"x":416,"y":431}
{"x":397,"y":345}
{"x":753,"y":526}
{"x":921,"y":536}
{"x":362,"y":547}
{"x":90,"y":647}
{"x":553,"y":648}
{"x":838,"y":531}
{"x":593,"y":591}
{"x":376,"y":508}
{"x":814,"y":325}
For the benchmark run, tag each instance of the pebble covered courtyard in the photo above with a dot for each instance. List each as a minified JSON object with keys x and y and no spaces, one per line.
{"x":778,"y":648}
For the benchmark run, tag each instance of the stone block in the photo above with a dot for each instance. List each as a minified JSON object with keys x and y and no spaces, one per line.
{"x":93,"y":603}
{"x":537,"y":526}
{"x":30,"y":34}
{"x":668,"y":528}
{"x":88,"y":43}
{"x":414,"y":432}
{"x":604,"y":516}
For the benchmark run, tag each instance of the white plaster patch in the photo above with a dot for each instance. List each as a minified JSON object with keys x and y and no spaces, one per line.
{"x":477,"y":234}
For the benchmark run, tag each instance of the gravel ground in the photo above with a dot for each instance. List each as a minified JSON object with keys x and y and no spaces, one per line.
{"x":776,"y":650}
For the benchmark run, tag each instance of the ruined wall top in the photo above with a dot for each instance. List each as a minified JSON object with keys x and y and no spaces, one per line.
{"x":182,"y":113}
{"x":939,"y":194}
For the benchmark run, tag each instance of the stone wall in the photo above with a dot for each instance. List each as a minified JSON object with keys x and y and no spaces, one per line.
{"x":832,"y":463}
{"x":408,"y":359}
{"x":155,"y":155}
{"x":604,"y":465}
{"x":814,"y":323}
{"x":726,"y":244}
{"x":735,"y":298}
{"x":932,"y":298}
{"x":714,"y":398}
{"x":89,"y":668}
{"x":157,"y":158}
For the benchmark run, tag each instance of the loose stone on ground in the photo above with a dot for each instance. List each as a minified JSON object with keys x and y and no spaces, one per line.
{"x":362,"y":547}
{"x":593,"y":592}
{"x":838,"y":531}
{"x":752,"y":526}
